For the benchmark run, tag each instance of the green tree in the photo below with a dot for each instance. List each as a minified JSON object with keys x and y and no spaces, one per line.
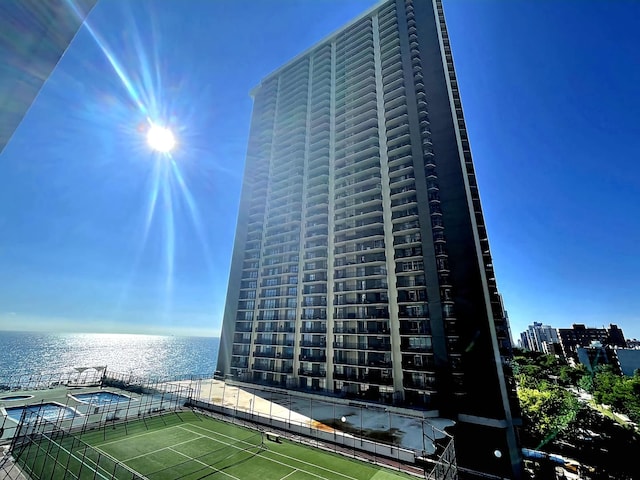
{"x":546,"y":411}
{"x":622,"y":393}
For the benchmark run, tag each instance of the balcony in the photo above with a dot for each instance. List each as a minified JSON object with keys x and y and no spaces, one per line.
{"x":320,"y":328}
{"x":312,"y":358}
{"x":240,"y":363}
{"x":312,"y":372}
{"x":313,"y":344}
{"x":378,"y":379}
{"x":378,"y":346}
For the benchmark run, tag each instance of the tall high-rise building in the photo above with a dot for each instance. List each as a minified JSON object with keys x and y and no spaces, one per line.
{"x":361,"y":265}
{"x":540,"y":338}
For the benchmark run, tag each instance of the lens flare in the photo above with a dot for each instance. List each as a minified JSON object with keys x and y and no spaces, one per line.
{"x":161,"y":139}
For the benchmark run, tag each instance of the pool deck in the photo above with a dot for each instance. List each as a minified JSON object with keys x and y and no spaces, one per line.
{"x":62,"y":395}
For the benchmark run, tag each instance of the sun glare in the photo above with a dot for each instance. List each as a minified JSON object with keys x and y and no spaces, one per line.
{"x":161,"y":139}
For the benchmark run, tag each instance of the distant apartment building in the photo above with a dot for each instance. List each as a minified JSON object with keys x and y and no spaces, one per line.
{"x":594,"y":355}
{"x":361,"y":265}
{"x":633,"y":343}
{"x":540,"y":338}
{"x":628,"y":360}
{"x":625,"y":361}
{"x":581,"y":336}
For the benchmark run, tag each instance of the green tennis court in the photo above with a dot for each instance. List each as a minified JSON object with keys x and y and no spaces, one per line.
{"x":189,"y":446}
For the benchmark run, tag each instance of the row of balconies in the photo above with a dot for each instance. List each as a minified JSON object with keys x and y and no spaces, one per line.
{"x":359,"y":362}
{"x":275,"y":328}
{"x":312,"y":372}
{"x":344,"y":327}
{"x":359,"y":257}
{"x":360,"y":285}
{"x":353,"y":50}
{"x":313,"y":343}
{"x":309,"y":357}
{"x":273,"y":354}
{"x":353,"y":192}
{"x":271,"y":341}
{"x":359,"y":223}
{"x":361,"y":312}
{"x":240,"y":362}
{"x":272,"y":369}
{"x":376,"y":378}
{"x":348,"y":326}
{"x":346,"y":138}
{"x":378,"y":346}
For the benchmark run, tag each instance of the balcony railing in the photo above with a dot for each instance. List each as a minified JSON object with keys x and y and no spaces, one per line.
{"x":312,"y":373}
{"x":313,"y":358}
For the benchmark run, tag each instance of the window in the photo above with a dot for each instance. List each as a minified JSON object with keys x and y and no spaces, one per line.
{"x":293,"y":279}
{"x":411,"y":266}
{"x":420,"y":342}
{"x":291,"y":302}
{"x":271,"y":303}
{"x":291,"y":314}
{"x":292,"y":291}
{"x":448,"y":310}
{"x":247,"y":305}
{"x":270,"y":282}
{"x":271,"y":292}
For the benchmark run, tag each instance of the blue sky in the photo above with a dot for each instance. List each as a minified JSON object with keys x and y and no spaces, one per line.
{"x":549,"y":91}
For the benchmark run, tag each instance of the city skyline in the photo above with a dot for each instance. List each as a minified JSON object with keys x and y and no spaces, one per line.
{"x":71,"y":250}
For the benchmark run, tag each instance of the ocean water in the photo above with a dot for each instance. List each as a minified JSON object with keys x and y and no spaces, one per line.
{"x":152,"y":356}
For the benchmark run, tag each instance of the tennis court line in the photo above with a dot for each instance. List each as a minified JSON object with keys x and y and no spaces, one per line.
{"x":132,"y":436}
{"x":205,"y":464}
{"x":76,"y":458}
{"x":333,"y":472}
{"x":290,"y":473}
{"x":165,"y":448}
{"x":118,"y":462}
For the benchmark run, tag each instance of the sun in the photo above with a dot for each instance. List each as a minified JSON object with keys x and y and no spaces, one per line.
{"x":161,"y":139}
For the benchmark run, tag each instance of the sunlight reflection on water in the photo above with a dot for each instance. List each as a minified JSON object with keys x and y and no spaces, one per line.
{"x":143,"y":355}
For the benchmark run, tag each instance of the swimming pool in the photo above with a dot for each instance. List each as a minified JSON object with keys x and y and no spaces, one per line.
{"x":100,"y":398}
{"x":15,"y":398}
{"x":49,"y":411}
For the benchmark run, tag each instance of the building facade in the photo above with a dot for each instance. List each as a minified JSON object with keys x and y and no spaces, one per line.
{"x":539,"y":338}
{"x":581,"y":336}
{"x":361,"y":265}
